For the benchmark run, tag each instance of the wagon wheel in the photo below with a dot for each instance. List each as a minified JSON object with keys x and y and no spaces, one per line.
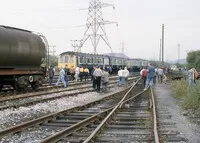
{"x":35,"y":85}
{"x":16,"y":86}
{"x":25,"y":85}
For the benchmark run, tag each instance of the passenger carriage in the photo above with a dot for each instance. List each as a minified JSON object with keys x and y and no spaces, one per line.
{"x":82,"y":59}
{"x":75,"y":59}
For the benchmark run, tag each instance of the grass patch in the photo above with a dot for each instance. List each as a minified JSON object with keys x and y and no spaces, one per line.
{"x":189,"y":95}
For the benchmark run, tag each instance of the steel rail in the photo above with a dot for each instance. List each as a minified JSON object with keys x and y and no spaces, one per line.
{"x":46,"y":118}
{"x":156,"y":136}
{"x":32,"y":102}
{"x":94,"y":133}
{"x":13,"y":97}
{"x":56,"y":137}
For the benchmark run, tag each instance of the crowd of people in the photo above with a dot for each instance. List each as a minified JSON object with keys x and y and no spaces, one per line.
{"x":99,"y":76}
{"x":151,"y":74}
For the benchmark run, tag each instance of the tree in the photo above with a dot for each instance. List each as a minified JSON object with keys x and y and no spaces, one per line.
{"x":193,"y":60}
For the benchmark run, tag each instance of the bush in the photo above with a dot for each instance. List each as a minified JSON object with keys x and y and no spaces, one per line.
{"x":179,"y":88}
{"x":189,"y":95}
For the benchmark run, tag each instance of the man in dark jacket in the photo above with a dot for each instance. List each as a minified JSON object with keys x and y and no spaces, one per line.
{"x":93,"y":78}
{"x":97,"y":75}
{"x":105,"y":80}
{"x":51,"y":75}
{"x":66,"y":77}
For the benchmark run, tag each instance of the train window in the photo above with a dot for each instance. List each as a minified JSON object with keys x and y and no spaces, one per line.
{"x":114,"y":61}
{"x":89,"y":60}
{"x":100,"y":60}
{"x":125,"y":62}
{"x":62,"y":58}
{"x":94,"y":60}
{"x":71,"y":59}
{"x":118,"y":62}
{"x":106,"y":61}
{"x":66,"y":59}
{"x":81,"y":59}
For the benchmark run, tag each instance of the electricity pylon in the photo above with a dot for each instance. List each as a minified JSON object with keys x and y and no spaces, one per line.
{"x":95,"y":25}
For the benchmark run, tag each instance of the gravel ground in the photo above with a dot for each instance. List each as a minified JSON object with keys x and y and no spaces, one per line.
{"x":11,"y":117}
{"x":36,"y":98}
{"x":187,"y":129}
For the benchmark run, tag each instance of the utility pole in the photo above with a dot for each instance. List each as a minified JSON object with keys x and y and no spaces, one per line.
{"x":76,"y":45}
{"x":95,"y":25}
{"x":160,"y":50}
{"x":123,"y":47}
{"x":53,"y":49}
{"x":51,"y":52}
{"x":162,"y":44}
{"x":178,"y":53}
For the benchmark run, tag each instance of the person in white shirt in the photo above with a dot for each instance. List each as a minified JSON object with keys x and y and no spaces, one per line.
{"x":97,"y":75}
{"x":120,"y":74}
{"x":125,"y":75}
{"x":61,"y":77}
{"x":160,"y":75}
{"x":77,"y":71}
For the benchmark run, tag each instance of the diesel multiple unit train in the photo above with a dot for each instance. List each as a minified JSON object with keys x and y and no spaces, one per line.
{"x":83,"y":59}
{"x":21,"y":54}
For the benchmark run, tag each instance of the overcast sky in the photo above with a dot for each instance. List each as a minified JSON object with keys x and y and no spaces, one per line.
{"x":140,"y":23}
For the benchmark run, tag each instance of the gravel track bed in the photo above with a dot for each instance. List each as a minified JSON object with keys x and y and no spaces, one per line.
{"x":11,"y":117}
{"x":31,"y":135}
{"x":32,"y":99}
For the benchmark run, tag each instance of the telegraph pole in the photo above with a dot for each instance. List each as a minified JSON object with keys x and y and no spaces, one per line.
{"x":123,"y":47}
{"x":75,"y":45}
{"x":178,"y":53}
{"x":51,"y":52}
{"x":162,"y":44}
{"x":160,"y":50}
{"x":95,"y":25}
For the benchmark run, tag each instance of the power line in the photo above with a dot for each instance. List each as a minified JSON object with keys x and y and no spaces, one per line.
{"x":95,"y":25}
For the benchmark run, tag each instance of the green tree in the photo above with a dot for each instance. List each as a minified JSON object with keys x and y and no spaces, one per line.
{"x":193,"y":59}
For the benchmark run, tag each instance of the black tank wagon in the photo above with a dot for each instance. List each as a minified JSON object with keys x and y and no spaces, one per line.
{"x":21,"y":54}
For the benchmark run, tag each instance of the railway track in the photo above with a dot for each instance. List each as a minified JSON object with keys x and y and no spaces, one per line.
{"x":127,"y":116}
{"x":45,"y":122}
{"x":131,"y":120}
{"x":127,"y":121}
{"x":30,"y":99}
{"x":45,"y":87}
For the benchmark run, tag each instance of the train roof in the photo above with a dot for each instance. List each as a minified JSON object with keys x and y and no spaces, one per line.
{"x":14,"y":28}
{"x":105,"y":55}
{"x":118,"y":55}
{"x":79,"y":53}
{"x":112,"y":55}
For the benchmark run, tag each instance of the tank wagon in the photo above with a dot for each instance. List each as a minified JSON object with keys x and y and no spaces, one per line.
{"x":21,"y":54}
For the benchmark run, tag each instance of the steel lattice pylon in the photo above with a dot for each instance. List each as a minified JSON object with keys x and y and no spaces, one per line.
{"x":95,"y":26}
